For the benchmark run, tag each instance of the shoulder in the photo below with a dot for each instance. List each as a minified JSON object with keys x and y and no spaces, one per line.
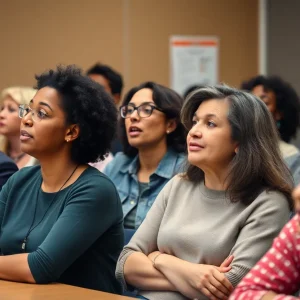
{"x":119,"y":162}
{"x":5,"y":159}
{"x":271,"y":202}
{"x":94,"y":182}
{"x":26,"y":172}
{"x":287,"y":150}
{"x":23,"y":178}
{"x":7,"y":164}
{"x":181,"y":159}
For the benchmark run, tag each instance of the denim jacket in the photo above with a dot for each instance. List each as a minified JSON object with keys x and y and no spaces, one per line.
{"x":122,"y":170}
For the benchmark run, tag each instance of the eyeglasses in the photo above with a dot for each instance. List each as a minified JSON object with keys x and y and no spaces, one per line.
{"x":144,"y":111}
{"x":37,"y":115}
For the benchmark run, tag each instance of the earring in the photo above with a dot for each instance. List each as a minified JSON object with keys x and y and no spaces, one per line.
{"x":68,"y":140}
{"x":168,"y":131}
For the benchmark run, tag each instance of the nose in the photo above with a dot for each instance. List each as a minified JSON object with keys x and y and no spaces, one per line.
{"x":27,"y":120}
{"x":134,"y":115}
{"x":2,"y":113}
{"x":196,"y":131}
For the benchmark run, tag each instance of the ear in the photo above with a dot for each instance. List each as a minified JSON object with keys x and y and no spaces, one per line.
{"x":171,"y":125}
{"x":236,"y":150}
{"x":72,"y":133}
{"x":278,"y":115}
{"x":117,"y":99}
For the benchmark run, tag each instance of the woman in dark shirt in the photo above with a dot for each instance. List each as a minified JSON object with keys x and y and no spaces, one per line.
{"x":62,"y":221}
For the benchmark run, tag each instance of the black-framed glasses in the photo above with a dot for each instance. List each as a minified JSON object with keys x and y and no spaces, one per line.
{"x":144,"y":110}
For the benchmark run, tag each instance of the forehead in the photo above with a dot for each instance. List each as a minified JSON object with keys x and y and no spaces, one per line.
{"x":258,"y":90}
{"x":141,"y":96}
{"x":48,"y":95}
{"x":217,"y":107}
{"x":101,"y":80}
{"x":8,"y":100}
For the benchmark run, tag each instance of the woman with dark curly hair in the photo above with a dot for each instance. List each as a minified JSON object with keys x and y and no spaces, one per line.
{"x":154,"y":144}
{"x":56,"y":217}
{"x":284,"y":104}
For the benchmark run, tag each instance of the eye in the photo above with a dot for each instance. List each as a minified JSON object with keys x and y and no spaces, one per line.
{"x":194,"y":122}
{"x":41,"y":114}
{"x":11,"y":109}
{"x":211,"y":124}
{"x":147,"y":109}
{"x":129,"y":110}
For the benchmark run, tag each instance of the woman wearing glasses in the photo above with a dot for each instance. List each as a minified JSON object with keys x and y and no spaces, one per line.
{"x":10,"y":123}
{"x":56,"y":217}
{"x":154,"y":144}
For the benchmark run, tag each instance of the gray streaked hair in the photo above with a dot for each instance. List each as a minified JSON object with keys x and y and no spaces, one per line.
{"x":258,"y":165}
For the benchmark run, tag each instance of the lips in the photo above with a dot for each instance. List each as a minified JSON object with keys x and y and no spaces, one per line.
{"x":195,"y":146}
{"x":25,"y":136}
{"x":134,"y":131}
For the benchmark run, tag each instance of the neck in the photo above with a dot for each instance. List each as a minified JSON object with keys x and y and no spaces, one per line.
{"x":55,"y":172}
{"x":14,"y":148}
{"x":216,"y":180}
{"x":149,"y":158}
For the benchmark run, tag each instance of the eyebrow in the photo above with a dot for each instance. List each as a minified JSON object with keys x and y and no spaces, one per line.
{"x":42,"y":103}
{"x":45,"y":104}
{"x":206,"y":116}
{"x":150,"y":103}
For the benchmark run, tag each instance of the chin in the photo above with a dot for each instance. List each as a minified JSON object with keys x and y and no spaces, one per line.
{"x":195,"y":161}
{"x":26,"y":149}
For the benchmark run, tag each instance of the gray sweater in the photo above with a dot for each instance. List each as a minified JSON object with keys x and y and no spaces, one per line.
{"x":202,"y":226}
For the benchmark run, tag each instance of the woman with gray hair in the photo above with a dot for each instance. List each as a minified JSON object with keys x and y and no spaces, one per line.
{"x":210,"y":225}
{"x":10,"y":123}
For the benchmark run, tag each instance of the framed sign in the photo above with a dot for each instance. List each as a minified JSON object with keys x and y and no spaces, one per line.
{"x":193,"y":61}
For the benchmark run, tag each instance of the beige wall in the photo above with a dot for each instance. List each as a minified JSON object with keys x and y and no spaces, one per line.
{"x":130,"y":35}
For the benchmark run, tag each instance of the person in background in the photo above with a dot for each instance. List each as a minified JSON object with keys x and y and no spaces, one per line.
{"x":7,"y":168}
{"x":209,"y":226}
{"x":277,"y":275}
{"x":154,"y":145}
{"x":62,"y":221}
{"x":191,"y":89}
{"x":10,"y":123}
{"x":112,"y":82}
{"x":284,"y":105}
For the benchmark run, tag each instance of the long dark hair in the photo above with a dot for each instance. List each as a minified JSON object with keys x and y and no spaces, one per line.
{"x":287,"y":103}
{"x":170,"y":103}
{"x":258,"y":165}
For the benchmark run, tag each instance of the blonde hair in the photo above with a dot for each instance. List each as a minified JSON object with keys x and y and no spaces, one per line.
{"x":21,"y":95}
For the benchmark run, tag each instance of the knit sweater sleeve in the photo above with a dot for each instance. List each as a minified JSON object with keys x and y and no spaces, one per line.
{"x":145,"y":238}
{"x":278,"y":270}
{"x":270,"y":212}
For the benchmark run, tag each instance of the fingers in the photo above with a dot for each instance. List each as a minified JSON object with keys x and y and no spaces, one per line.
{"x":218,"y":289}
{"x":227,"y":261}
{"x":208,"y":294}
{"x":223,"y":280}
{"x":224,"y":269}
{"x":296,"y":197}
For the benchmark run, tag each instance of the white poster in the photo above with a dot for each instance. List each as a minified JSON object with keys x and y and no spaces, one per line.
{"x":194,"y":61}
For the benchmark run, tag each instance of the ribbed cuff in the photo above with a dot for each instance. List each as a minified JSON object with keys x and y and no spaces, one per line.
{"x":120,"y":269}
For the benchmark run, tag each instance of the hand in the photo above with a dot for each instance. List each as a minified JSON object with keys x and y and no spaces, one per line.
{"x":296,"y":197}
{"x":210,"y":280}
{"x":225,"y":265}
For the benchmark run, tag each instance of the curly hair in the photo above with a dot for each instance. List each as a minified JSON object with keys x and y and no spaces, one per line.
{"x":258,"y":164}
{"x":170,"y":103}
{"x":114,"y":79}
{"x":287,"y":103}
{"x":85,"y":103}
